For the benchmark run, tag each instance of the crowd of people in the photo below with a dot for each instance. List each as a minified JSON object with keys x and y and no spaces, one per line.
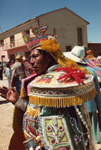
{"x":57,"y":97}
{"x":17,"y":69}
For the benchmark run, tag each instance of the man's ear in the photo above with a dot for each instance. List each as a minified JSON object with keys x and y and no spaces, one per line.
{"x":49,"y":58}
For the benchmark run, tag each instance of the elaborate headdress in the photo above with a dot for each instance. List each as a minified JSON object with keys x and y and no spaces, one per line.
{"x":89,"y":54}
{"x":89,"y":51}
{"x":33,"y":42}
{"x":48,"y":43}
{"x":18,"y":56}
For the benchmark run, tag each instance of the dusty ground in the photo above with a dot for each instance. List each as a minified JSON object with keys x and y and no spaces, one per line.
{"x":6,"y":114}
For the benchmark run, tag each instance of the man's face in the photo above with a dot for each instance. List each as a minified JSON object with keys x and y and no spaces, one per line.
{"x":39,"y":62}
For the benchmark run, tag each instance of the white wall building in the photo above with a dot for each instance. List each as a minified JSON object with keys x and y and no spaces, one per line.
{"x":70,"y":28}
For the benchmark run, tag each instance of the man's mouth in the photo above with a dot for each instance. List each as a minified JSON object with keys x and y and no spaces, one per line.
{"x":35,"y":68}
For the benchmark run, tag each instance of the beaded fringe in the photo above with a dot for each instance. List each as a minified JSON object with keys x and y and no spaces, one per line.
{"x":62,"y":101}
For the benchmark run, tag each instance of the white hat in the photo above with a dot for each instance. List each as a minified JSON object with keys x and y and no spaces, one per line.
{"x":77,"y":54}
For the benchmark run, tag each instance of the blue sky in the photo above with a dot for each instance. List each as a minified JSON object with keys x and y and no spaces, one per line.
{"x":15,"y":12}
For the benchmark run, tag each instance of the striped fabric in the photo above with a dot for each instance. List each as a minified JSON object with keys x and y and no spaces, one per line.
{"x":97,"y":69}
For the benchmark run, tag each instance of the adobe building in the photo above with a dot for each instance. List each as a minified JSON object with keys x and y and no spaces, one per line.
{"x":70,"y":29}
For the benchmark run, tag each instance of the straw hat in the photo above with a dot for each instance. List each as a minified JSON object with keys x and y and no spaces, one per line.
{"x":77,"y":54}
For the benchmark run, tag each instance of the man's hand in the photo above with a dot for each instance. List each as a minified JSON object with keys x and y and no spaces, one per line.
{"x":9,"y":94}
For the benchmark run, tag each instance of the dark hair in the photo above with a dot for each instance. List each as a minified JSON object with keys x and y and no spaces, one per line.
{"x":8,"y":65}
{"x":44,"y":53}
{"x":99,"y":53}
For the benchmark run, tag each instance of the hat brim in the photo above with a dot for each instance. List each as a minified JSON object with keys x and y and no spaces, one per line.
{"x":73,"y":57}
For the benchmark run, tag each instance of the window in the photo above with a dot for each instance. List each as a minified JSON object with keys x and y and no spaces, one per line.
{"x":2,"y":43}
{"x":12,"y":41}
{"x":27,"y":32}
{"x":79,"y":36}
{"x":3,"y":58}
{"x":68,"y":48}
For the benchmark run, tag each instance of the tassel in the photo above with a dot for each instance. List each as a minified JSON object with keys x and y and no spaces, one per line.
{"x":62,"y":101}
{"x":23,"y":94}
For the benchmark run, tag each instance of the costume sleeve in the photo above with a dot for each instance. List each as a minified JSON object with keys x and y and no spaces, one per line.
{"x":21,"y":104}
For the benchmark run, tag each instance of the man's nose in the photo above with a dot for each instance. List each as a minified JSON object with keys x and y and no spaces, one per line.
{"x":32,"y":61}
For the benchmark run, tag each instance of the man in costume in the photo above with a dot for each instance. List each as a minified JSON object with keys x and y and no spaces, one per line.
{"x":19,"y":70}
{"x":53,"y":98}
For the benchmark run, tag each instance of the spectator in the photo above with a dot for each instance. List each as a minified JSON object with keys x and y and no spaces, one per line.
{"x":89,"y":54}
{"x":8,"y":74}
{"x":17,"y":72}
{"x":12,"y":61}
{"x":1,"y":71}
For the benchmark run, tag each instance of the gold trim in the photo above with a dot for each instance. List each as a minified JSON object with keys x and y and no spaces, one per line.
{"x":62,"y":101}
